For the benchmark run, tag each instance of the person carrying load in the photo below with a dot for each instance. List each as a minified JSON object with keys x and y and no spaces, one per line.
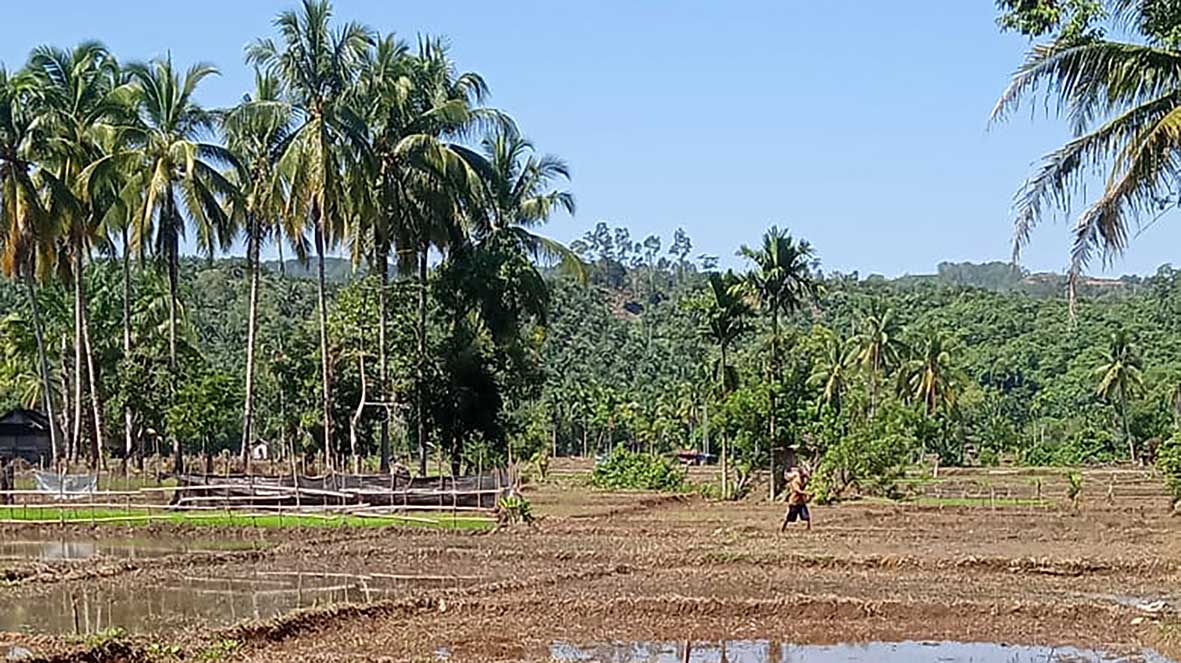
{"x":797,"y":499}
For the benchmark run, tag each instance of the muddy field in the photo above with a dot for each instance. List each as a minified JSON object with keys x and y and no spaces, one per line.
{"x":987,"y":557}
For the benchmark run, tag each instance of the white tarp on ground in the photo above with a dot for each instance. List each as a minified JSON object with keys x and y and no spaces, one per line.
{"x":66,"y":486}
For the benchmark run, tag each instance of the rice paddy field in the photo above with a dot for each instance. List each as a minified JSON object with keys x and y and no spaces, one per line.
{"x":983,"y":565}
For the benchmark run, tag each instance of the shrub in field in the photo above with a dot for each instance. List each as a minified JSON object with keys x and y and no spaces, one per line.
{"x":539,"y":464}
{"x":1168,"y":461}
{"x":625,"y":469}
{"x":865,"y":462}
{"x":1074,"y":489}
{"x":513,"y":510}
{"x":1085,"y":446}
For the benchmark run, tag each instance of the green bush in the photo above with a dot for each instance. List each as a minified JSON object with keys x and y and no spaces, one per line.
{"x":1168,"y":461}
{"x":864,"y":462}
{"x":988,"y":457}
{"x":513,"y":510}
{"x":630,"y":470}
{"x":1074,"y":489}
{"x":1088,"y":446}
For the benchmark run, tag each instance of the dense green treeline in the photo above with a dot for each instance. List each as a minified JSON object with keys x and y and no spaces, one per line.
{"x":969,"y":374}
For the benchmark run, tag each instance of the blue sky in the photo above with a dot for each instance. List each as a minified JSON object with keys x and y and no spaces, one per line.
{"x":860,"y":126}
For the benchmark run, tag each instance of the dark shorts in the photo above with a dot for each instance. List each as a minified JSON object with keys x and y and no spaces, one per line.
{"x":799,"y":511}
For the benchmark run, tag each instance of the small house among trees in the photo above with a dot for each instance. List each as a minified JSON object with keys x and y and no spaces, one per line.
{"x":24,"y":434}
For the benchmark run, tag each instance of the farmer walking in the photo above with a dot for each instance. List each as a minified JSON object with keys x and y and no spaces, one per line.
{"x":797,"y":499}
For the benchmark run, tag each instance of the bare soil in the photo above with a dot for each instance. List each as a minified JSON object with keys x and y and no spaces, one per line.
{"x":642,"y":567}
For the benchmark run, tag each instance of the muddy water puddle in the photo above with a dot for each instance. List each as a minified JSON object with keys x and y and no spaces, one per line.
{"x":214,"y":599}
{"x":761,"y":651}
{"x":58,"y":549}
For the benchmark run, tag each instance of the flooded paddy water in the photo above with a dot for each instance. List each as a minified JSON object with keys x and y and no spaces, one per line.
{"x":73,"y":548}
{"x":201,"y":594}
{"x":762,"y":651}
{"x":210,"y":600}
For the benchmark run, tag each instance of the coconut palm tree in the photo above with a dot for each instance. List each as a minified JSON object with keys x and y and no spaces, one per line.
{"x":727,"y":318}
{"x":1175,"y":404}
{"x":256,"y":131}
{"x":318,"y":66}
{"x":27,"y":231}
{"x":75,"y":94}
{"x":1123,"y":101}
{"x":931,"y":379}
{"x":450,"y":106}
{"x":1120,"y":375}
{"x":782,"y":283}
{"x":880,"y":347}
{"x":173,"y":174}
{"x":837,"y":360}
{"x":119,"y":198}
{"x":516,"y":198}
{"x":411,"y":180}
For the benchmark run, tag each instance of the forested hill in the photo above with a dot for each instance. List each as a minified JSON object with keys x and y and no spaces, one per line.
{"x":336,"y":270}
{"x":1002,"y":276}
{"x":1004,"y":367}
{"x":997,"y":276}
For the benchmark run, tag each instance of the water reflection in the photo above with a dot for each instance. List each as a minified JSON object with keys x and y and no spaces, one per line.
{"x":212,"y":600}
{"x":77,"y":549}
{"x":762,"y":651}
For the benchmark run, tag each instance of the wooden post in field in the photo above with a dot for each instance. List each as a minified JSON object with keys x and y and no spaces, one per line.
{"x":725,"y":473}
{"x":294,"y":477}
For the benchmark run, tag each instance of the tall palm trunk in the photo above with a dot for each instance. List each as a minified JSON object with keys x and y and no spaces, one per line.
{"x":283,"y":352}
{"x":128,"y":418}
{"x":325,"y":375}
{"x":873,"y":383}
{"x":421,"y":370}
{"x":173,"y":297}
{"x":722,"y":392}
{"x":705,"y":424}
{"x":383,"y":376}
{"x":98,"y":443}
{"x":42,"y":362}
{"x":77,"y":385}
{"x":253,"y":269}
{"x":1123,"y":405}
{"x":775,"y":373}
{"x":71,"y":450}
{"x":355,"y":420}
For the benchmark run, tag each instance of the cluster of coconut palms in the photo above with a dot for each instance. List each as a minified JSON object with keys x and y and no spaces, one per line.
{"x":350,"y":141}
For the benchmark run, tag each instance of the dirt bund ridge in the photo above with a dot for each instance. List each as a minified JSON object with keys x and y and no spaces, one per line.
{"x":44,"y":573}
{"x":831,"y":608}
{"x":643,"y":504}
{"x":108,"y":652}
{"x":301,"y":621}
{"x":1027,"y":565}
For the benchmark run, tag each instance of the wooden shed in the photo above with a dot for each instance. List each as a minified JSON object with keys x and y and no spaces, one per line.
{"x":25,"y":434}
